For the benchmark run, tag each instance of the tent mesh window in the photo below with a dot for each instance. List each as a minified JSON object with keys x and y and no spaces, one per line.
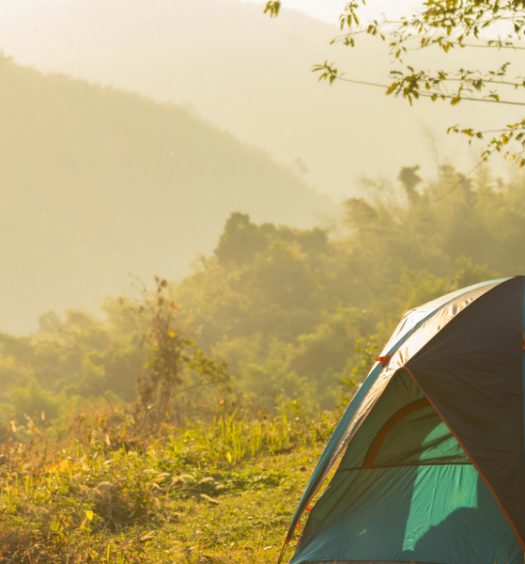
{"x":414,"y":436}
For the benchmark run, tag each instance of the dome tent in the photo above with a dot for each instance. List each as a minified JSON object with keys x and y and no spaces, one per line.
{"x":432,"y":445}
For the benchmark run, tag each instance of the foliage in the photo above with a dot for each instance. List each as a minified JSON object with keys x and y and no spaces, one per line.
{"x":95,"y":498}
{"x":175,"y":368}
{"x":34,"y":402}
{"x":283,"y":308}
{"x":446,"y":26}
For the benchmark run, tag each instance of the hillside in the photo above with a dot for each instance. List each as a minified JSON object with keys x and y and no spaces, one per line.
{"x":251,"y":75}
{"x":98,"y":183}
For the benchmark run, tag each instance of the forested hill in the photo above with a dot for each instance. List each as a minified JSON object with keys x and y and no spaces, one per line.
{"x":98,"y":183}
{"x":251,"y":75}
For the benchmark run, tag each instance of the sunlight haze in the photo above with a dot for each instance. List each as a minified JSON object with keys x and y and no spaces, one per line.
{"x":219,"y":66}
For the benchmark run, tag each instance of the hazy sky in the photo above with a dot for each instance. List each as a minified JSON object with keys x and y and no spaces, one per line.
{"x":221,"y":60}
{"x":328,"y":10}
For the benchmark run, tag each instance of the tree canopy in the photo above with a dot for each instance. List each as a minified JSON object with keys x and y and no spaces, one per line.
{"x":276,"y":314}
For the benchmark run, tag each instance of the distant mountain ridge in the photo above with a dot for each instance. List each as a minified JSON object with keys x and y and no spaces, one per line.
{"x":251,"y":75}
{"x":97,"y":183}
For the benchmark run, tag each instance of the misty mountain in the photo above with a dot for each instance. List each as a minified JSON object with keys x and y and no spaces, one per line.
{"x":251,"y":75}
{"x":98,"y":183}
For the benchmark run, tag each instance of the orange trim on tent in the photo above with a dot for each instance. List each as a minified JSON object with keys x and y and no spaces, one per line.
{"x":403,"y":413}
{"x":383,"y":360}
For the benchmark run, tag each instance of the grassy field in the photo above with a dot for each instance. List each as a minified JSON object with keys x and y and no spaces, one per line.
{"x":219,"y":493}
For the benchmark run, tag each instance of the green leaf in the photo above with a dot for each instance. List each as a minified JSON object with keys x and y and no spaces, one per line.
{"x":391,"y":88}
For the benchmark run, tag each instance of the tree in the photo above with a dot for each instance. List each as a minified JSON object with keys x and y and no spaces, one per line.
{"x":175,"y":365}
{"x":447,"y":26}
{"x":240,"y":240}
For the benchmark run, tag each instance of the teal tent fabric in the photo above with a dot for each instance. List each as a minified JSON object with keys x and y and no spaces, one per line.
{"x":433,"y":444}
{"x":471,"y":372}
{"x":420,"y":500}
{"x":434,"y":514}
{"x":409,"y":325}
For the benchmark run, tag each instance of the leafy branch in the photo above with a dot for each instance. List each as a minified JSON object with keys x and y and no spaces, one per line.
{"x":445,"y":25}
{"x":175,"y":364}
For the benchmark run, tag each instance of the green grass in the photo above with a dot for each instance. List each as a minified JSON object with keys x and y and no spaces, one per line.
{"x":223,"y":492}
{"x":246,"y":523}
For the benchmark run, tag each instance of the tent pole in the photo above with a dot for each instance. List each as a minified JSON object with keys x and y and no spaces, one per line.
{"x":283,"y":552}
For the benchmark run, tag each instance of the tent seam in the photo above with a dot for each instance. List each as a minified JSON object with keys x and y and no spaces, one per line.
{"x":474,"y":463}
